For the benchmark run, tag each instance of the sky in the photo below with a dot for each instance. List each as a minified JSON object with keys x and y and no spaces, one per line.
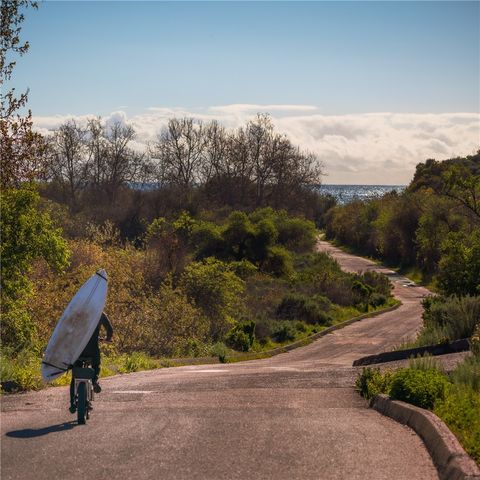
{"x":372,"y":88}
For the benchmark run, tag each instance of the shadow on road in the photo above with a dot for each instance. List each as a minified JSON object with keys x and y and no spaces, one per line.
{"x":38,"y":432}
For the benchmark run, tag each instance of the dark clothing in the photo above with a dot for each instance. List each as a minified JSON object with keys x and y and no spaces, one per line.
{"x":92,"y":350}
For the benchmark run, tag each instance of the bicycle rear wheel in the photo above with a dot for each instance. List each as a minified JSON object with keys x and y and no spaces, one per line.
{"x":81,"y":403}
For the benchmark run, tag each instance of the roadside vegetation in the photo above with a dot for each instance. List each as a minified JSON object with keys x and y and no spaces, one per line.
{"x":454,"y":396}
{"x":432,"y":229}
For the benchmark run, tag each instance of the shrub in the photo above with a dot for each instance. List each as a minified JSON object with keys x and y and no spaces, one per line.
{"x":459,"y":410}
{"x":264,"y":238}
{"x":450,"y":317}
{"x":220,"y":350}
{"x":371,"y":382}
{"x":214,"y":288}
{"x":207,"y":240}
{"x":467,"y":373}
{"x":244,"y":269}
{"x":418,"y":387}
{"x":296,"y":234}
{"x":278,"y":262}
{"x":378,"y":282}
{"x":242,"y":336}
{"x":296,"y":306}
{"x":377,"y":300}
{"x":264,"y":328}
{"x":238,"y":340}
{"x":284,"y":331}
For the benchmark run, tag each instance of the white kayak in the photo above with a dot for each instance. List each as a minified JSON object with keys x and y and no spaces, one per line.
{"x":75,"y":327}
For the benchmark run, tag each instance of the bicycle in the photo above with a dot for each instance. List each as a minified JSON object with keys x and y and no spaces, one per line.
{"x":83,"y":376}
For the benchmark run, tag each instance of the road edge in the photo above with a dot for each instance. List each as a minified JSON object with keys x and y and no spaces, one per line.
{"x":449,"y":457}
{"x":174,"y":362}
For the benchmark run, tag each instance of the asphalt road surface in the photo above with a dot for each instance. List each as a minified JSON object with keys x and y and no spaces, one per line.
{"x":293,"y":416}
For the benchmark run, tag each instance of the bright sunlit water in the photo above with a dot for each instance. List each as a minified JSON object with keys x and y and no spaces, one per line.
{"x":346,"y":193}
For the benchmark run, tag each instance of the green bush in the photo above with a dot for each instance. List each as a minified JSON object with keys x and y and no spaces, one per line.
{"x":296,"y":306}
{"x":377,"y":300}
{"x":214,"y":288}
{"x":418,"y":387}
{"x":220,"y":350}
{"x":371,"y":382}
{"x":378,"y":282}
{"x":284,"y":331}
{"x":467,"y":373}
{"x":451,"y":318}
{"x":459,"y":409}
{"x":207,"y":240}
{"x":278,"y":262}
{"x":296,"y":234}
{"x":264,"y":328}
{"x":238,"y":340}
{"x":242,"y":336}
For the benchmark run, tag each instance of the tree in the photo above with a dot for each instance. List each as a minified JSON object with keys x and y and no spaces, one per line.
{"x":27,"y":235}
{"x":69,"y":164}
{"x":216,"y":289}
{"x":122,"y":163}
{"x":22,"y":151}
{"x":179,"y":151}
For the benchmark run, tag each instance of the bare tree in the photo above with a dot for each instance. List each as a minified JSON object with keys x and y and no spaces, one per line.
{"x":69,"y":164}
{"x":121,"y":163}
{"x":179,"y":150}
{"x":97,"y":148}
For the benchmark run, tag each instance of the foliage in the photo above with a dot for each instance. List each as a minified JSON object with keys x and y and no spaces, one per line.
{"x":467,"y":373}
{"x":449,"y":318}
{"x":27,"y":235}
{"x":300,"y":307}
{"x":459,"y":265}
{"x":371,"y":382}
{"x":459,"y":410}
{"x":242,"y":336}
{"x":278,"y":262}
{"x":434,"y":223}
{"x":216,"y":290}
{"x":418,"y":387}
{"x":284,"y":331}
{"x":220,"y":350}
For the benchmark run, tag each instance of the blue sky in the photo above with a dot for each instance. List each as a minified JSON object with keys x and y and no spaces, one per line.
{"x":335,"y":58}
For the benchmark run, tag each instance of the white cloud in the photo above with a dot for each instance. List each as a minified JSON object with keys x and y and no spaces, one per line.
{"x":370,"y":148}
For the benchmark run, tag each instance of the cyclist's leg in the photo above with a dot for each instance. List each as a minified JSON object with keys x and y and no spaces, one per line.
{"x":72,"y":390}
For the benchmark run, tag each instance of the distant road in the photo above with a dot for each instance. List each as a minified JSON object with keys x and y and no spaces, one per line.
{"x":293,"y":416}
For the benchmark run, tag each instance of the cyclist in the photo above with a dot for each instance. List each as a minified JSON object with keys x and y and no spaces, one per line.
{"x":92,"y":350}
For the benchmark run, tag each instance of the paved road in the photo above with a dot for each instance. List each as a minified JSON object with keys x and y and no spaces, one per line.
{"x":293,"y":416}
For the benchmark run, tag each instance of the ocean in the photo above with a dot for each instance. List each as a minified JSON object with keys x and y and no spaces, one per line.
{"x":347,"y":193}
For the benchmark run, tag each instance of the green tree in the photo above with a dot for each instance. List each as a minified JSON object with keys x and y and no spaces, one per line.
{"x":27,"y":235}
{"x":459,"y":267}
{"x":214,"y":287}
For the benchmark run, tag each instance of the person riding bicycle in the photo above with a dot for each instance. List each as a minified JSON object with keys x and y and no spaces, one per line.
{"x":92,"y":350}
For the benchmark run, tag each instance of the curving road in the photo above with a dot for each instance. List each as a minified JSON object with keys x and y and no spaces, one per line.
{"x":293,"y":416}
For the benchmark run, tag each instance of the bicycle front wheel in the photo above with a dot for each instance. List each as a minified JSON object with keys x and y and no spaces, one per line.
{"x":81,"y":403}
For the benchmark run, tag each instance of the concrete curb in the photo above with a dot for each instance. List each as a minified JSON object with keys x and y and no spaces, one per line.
{"x":450,"y":459}
{"x":276,"y":351}
{"x":440,"y":349}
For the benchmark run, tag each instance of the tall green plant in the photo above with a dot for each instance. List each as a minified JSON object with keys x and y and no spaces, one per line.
{"x":27,"y":235}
